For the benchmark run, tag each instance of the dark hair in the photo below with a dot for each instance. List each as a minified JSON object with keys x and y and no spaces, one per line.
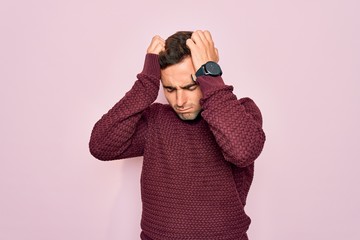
{"x":175,"y":49}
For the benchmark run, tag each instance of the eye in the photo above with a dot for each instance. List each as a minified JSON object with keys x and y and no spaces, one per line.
{"x":170,"y":90}
{"x":191,"y":88}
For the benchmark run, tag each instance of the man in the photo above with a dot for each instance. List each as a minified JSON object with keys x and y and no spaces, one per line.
{"x":199,"y":149}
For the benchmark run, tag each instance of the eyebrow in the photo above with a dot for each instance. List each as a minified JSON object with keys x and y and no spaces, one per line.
{"x":184,"y":87}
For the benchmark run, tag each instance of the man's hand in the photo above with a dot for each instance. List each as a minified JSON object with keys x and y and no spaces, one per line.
{"x":202,"y":48}
{"x":157,"y":45}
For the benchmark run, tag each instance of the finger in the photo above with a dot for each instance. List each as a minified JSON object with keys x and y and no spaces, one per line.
{"x":161,"y":45}
{"x":217,"y":55}
{"x":157,"y":39}
{"x":202,"y":37}
{"x":161,"y":40}
{"x":190,"y":43}
{"x":159,"y":48}
{"x":156,"y":46}
{"x":208,"y":37}
{"x":156,"y":43}
{"x":154,"y":39}
{"x":196,"y":38}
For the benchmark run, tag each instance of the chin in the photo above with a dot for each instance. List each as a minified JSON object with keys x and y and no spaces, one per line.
{"x":189,"y":116}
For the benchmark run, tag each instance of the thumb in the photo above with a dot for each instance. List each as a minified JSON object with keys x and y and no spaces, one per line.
{"x":190,"y":43}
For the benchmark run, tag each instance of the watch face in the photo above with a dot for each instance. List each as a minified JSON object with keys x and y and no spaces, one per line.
{"x":213,"y":68}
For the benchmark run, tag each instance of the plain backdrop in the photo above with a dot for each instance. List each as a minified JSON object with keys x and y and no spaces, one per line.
{"x":64,"y":63}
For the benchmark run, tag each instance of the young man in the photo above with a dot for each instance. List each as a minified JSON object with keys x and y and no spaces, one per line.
{"x":199,"y":150}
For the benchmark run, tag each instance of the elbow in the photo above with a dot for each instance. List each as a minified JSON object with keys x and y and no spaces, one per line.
{"x":254,"y":150}
{"x":97,"y":152}
{"x":251,"y":155}
{"x":247,"y":154}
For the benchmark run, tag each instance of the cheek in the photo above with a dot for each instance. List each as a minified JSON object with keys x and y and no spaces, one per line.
{"x":197,"y":96}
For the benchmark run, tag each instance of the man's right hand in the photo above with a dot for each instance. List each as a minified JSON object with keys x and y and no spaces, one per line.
{"x":157,"y":45}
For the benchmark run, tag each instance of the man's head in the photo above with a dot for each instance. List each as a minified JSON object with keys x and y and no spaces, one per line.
{"x":175,"y":49}
{"x":182,"y":93}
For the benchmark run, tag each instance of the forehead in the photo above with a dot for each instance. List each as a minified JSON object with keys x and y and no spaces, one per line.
{"x":178,"y":74}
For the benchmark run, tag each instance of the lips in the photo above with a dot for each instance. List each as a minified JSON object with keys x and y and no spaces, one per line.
{"x":183,"y":111}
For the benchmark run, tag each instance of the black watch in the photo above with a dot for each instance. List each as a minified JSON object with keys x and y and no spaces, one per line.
{"x":210,"y":68}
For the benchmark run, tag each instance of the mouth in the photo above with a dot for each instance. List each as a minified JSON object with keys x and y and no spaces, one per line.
{"x":183,"y":111}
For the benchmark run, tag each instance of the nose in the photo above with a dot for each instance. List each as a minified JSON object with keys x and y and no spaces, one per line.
{"x":180,"y":99}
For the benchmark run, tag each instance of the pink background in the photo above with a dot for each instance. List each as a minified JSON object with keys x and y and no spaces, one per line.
{"x":65,"y":63}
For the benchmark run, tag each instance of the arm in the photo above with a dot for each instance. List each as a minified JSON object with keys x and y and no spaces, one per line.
{"x":120,"y":133}
{"x":236,"y":124}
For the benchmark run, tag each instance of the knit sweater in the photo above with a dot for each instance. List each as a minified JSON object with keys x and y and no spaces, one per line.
{"x":196,"y":174}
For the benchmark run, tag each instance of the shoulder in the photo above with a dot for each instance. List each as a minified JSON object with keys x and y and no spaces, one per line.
{"x":247,"y":102}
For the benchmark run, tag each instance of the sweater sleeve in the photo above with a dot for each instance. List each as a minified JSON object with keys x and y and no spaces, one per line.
{"x":120,"y":133}
{"x":236,"y":124}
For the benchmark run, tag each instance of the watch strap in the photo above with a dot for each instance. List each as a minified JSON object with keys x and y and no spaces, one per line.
{"x":200,"y":71}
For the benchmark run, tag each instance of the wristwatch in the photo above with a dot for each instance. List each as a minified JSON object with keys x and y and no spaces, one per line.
{"x":210,"y":68}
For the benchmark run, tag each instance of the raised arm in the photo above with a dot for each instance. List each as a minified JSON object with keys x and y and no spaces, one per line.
{"x":120,"y":133}
{"x":236,"y":124}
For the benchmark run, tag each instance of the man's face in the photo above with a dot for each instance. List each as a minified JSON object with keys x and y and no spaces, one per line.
{"x":182,"y":93}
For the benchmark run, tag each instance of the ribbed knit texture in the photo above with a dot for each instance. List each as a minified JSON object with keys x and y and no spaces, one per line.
{"x":196,"y":174}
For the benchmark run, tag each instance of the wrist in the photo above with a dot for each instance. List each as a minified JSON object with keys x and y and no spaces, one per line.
{"x":210,"y":84}
{"x":151,"y":65}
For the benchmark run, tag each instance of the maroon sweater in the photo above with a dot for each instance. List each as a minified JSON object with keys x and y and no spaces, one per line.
{"x":196,"y":174}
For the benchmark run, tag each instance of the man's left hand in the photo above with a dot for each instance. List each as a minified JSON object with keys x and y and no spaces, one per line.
{"x":202,"y":48}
